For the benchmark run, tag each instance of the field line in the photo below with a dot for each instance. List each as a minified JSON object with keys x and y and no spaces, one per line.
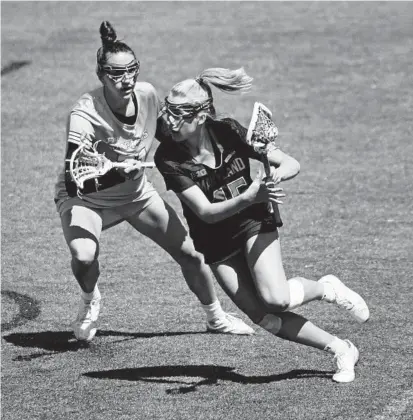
{"x":396,"y":407}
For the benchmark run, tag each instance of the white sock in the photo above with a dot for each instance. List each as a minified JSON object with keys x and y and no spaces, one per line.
{"x":92,"y":295}
{"x":336,"y":346}
{"x":329,"y":295}
{"x":213,"y":311}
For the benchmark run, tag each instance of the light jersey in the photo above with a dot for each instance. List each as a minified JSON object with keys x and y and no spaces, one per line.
{"x":92,"y":117}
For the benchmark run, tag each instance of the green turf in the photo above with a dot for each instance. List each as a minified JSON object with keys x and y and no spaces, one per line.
{"x":338,"y":78}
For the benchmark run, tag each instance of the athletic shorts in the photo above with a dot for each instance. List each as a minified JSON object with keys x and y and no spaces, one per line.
{"x":112,"y":216}
{"x":226,"y":247}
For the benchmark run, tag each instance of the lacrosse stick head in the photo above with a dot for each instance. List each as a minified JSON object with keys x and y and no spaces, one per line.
{"x":262,"y":131}
{"x":86,"y":163}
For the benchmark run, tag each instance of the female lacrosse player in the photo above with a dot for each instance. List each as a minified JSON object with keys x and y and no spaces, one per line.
{"x":205,"y":161}
{"x":119,"y":120}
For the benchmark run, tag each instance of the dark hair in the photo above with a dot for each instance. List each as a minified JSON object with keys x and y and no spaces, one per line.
{"x":110,"y":45}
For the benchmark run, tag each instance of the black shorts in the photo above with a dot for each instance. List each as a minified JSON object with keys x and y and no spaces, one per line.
{"x":226,"y":249}
{"x":219,"y":241}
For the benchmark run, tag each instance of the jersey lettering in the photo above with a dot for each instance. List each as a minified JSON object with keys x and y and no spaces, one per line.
{"x":237,"y":187}
{"x":231,"y":190}
{"x":237,"y":165}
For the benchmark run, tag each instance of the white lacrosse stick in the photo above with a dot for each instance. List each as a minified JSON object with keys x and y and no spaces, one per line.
{"x":87,"y":163}
{"x":262,"y":134}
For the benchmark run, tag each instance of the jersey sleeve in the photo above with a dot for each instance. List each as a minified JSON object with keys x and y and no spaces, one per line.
{"x":238,"y":134}
{"x":157,"y":101}
{"x":176,"y":178}
{"x":162,"y":130}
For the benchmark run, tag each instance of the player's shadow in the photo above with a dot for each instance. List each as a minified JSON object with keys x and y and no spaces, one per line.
{"x":63,"y":341}
{"x":210,"y":375}
{"x":13,"y":66}
{"x":28,"y":309}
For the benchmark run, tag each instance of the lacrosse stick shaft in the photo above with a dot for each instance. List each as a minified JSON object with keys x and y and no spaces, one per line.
{"x":267,"y":169}
{"x":127,"y":165}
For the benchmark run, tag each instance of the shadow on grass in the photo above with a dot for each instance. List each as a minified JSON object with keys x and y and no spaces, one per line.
{"x":211,"y":374}
{"x":13,"y":66}
{"x":28,"y":309}
{"x":64,"y":341}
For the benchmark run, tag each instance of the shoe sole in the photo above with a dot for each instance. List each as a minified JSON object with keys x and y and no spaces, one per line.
{"x":228,"y":332}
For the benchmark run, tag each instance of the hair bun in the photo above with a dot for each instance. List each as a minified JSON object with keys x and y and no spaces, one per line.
{"x":107,"y":33}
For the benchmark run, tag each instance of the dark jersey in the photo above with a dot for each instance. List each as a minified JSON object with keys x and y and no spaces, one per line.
{"x":228,"y":179}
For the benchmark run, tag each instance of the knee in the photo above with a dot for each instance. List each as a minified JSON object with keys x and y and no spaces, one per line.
{"x":271,"y":323}
{"x":190,"y":259}
{"x":83,"y":250}
{"x":276,"y":302}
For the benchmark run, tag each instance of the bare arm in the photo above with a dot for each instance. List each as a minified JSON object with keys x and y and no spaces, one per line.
{"x":284,"y":166}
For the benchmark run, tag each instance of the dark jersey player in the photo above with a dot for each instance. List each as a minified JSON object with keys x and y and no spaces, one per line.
{"x":205,"y":161}
{"x":229,"y":178}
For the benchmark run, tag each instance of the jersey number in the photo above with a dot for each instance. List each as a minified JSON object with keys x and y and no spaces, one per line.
{"x":231,"y":190}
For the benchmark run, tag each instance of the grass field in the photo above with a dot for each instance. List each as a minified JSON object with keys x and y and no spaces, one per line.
{"x":338,"y":78}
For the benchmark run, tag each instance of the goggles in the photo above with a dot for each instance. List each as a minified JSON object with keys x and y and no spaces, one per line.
{"x":186,"y":111}
{"x":117,"y":73}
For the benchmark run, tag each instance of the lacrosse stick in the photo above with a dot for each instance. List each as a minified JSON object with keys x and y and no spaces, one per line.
{"x":261,"y":135}
{"x":87,"y":163}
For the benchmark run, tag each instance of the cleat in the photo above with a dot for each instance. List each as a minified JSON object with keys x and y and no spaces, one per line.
{"x":229,"y":325}
{"x":346,"y":361}
{"x":84,"y":325}
{"x":347,"y":298}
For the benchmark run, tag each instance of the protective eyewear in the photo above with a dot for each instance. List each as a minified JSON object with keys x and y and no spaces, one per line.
{"x":117,"y":73}
{"x":184,"y":111}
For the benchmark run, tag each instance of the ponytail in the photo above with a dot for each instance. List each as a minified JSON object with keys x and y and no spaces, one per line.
{"x":197,"y":92}
{"x":229,"y":81}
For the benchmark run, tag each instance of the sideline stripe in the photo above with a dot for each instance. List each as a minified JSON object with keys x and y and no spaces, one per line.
{"x":396,"y":407}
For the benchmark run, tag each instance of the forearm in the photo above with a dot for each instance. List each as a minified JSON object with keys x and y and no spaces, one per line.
{"x":288,"y":170}
{"x":216,"y":212}
{"x":285,"y":168}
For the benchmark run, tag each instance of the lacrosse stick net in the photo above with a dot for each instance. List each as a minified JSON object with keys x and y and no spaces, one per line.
{"x":86,"y":163}
{"x":261,"y":135}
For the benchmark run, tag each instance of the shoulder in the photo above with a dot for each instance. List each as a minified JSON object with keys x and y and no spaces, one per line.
{"x":229,"y":132}
{"x":168,"y":162}
{"x":168,"y":151}
{"x":232,"y":135}
{"x":228,"y":126}
{"x":87,"y":102}
{"x":145,"y":89}
{"x":172,"y":156}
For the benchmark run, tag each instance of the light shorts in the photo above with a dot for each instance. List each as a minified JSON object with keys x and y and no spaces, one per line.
{"x":112,"y":216}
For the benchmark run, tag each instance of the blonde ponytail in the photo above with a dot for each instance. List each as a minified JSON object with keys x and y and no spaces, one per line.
{"x":227,"y":80}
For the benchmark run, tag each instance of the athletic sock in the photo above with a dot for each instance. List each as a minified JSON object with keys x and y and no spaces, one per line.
{"x":213,"y":311}
{"x":92,"y":295}
{"x":336,"y":346}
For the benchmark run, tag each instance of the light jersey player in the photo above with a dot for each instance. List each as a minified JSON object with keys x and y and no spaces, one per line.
{"x":119,"y":120}
{"x":205,"y":161}
{"x":120,"y":139}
